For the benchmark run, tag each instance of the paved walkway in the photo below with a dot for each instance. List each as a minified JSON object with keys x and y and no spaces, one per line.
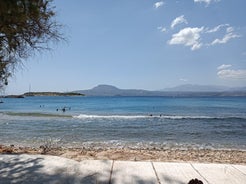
{"x":37,"y":169}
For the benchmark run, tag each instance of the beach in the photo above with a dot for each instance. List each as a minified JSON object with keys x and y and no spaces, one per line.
{"x":168,"y":155}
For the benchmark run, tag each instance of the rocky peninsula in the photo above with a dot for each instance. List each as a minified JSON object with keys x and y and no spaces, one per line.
{"x":52,"y":94}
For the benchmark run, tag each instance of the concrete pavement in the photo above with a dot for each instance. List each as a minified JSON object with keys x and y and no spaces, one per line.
{"x":40,"y":169}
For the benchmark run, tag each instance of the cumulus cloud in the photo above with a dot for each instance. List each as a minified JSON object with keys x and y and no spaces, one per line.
{"x":232,"y":74}
{"x":217,"y":28}
{"x":188,"y":36}
{"x":178,"y":20}
{"x":158,"y":4}
{"x":206,"y":1}
{"x":224,"y":66}
{"x":225,"y":73}
{"x":192,"y":36}
{"x":228,"y":36}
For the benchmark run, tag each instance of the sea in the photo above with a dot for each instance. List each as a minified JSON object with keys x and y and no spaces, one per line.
{"x":125,"y":122}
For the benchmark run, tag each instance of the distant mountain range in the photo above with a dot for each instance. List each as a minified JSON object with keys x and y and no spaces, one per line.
{"x":183,"y":90}
{"x":203,"y":88}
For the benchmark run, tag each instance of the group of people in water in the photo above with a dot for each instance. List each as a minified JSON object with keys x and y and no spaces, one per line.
{"x":153,"y":115}
{"x":63,"y":109}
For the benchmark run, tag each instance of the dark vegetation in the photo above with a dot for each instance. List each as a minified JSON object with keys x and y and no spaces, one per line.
{"x":52,"y":94}
{"x":26,"y":26}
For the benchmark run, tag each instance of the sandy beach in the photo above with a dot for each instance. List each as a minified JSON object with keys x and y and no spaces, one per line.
{"x":170,"y":155}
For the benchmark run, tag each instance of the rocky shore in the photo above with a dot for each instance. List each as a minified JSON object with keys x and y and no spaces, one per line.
{"x":168,"y":155}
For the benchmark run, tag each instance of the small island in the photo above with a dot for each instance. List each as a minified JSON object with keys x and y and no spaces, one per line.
{"x":52,"y":94}
{"x":13,"y":96}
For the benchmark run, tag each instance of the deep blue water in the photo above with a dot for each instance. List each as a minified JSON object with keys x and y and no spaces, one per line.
{"x":164,"y":122}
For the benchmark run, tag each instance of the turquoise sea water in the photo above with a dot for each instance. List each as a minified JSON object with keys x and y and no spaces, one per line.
{"x":136,"y":122}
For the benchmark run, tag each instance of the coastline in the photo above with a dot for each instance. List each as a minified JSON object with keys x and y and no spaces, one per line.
{"x":126,"y":154}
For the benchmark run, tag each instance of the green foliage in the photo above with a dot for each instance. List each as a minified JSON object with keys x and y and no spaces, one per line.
{"x":26,"y":26}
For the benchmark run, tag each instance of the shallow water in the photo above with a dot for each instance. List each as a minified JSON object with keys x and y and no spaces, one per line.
{"x":137,"y":122}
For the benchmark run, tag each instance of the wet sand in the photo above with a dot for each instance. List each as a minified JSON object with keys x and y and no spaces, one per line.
{"x":165,"y":155}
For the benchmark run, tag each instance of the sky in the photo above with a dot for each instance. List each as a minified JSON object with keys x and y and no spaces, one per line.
{"x":140,"y":44}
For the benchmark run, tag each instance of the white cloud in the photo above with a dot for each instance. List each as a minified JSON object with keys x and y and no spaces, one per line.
{"x":224,"y":66}
{"x":158,"y":4}
{"x":206,"y":1}
{"x":232,"y":74}
{"x":162,"y":29}
{"x":196,"y":46}
{"x":178,"y":20}
{"x":217,"y":28}
{"x":229,"y":29}
{"x":225,"y":73}
{"x":188,"y":37}
{"x":230,"y":34}
{"x":226,"y":38}
{"x":183,"y":79}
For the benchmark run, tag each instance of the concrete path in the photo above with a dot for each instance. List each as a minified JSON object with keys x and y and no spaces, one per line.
{"x":39,"y":169}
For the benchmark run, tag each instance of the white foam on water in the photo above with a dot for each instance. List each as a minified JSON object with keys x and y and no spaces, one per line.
{"x":86,"y":116}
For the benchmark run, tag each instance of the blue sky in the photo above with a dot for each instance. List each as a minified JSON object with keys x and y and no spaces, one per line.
{"x":141,"y":44}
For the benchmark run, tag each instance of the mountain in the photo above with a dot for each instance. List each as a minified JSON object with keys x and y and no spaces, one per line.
{"x":182,"y":91}
{"x":204,"y":88}
{"x":108,"y":90}
{"x":198,"y":88}
{"x":238,"y":89}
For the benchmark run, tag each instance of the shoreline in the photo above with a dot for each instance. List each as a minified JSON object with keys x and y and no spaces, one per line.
{"x":167,"y":155}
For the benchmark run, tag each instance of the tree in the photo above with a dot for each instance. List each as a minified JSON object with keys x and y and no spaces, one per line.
{"x":26,"y":26}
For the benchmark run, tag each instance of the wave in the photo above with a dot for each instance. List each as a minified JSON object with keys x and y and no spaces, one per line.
{"x":122,"y":117}
{"x":85,"y":116}
{"x":36,"y":114}
{"x":174,"y":117}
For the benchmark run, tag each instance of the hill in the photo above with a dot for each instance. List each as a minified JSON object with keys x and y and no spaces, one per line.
{"x":108,"y":90}
{"x":186,"y":91}
{"x":198,"y":88}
